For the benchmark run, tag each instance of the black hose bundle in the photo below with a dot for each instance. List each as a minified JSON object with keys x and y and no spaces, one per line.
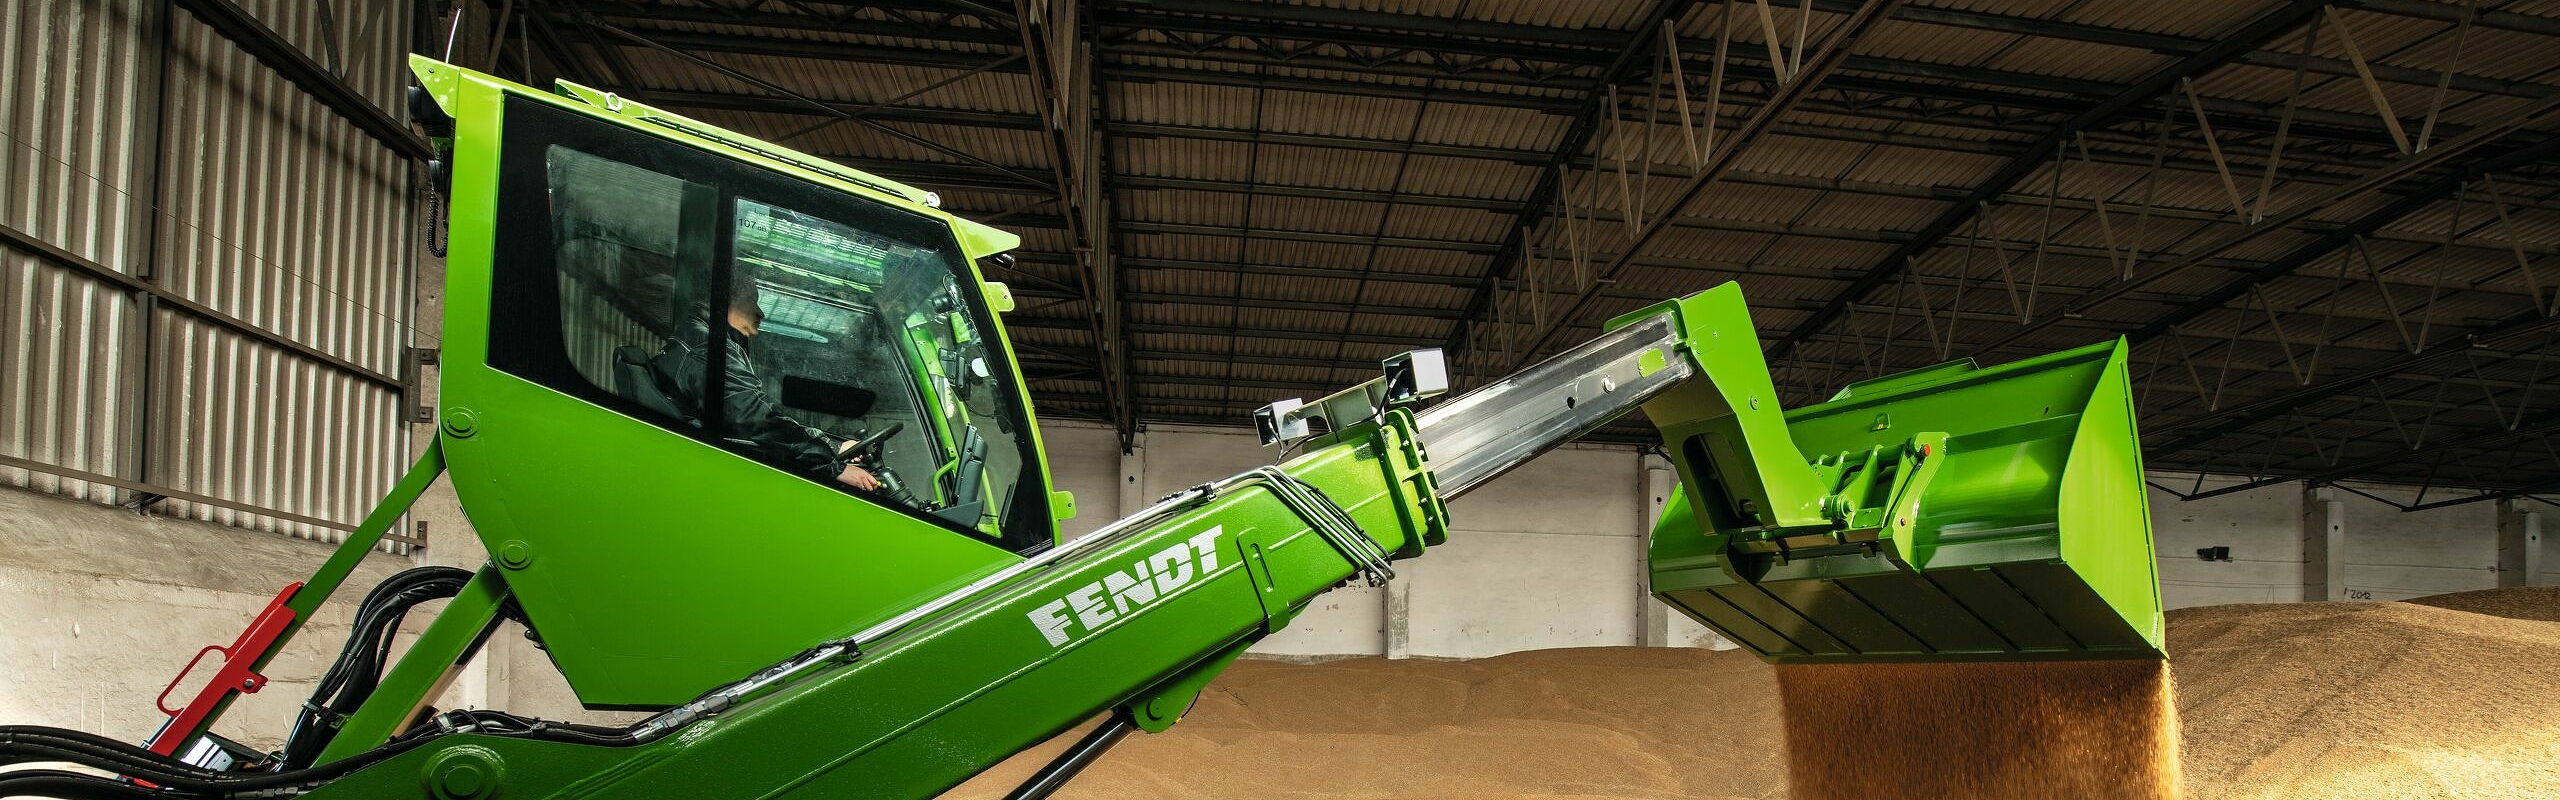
{"x":352,"y":679}
{"x":23,"y":744}
{"x":20,"y":744}
{"x":349,"y":682}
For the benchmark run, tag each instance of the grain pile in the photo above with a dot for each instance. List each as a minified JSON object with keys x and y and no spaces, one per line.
{"x":2535,"y":602}
{"x":2279,"y":702}
{"x":2369,"y":700}
{"x":2096,"y":730}
{"x":1667,"y":724}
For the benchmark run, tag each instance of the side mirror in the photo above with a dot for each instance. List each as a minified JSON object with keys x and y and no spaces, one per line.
{"x":825,"y":397}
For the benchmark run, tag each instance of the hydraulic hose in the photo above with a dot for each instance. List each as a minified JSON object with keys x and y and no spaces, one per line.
{"x":69,"y":786}
{"x":21,"y":744}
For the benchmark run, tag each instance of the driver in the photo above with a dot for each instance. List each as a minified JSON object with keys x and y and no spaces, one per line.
{"x":752,"y":415}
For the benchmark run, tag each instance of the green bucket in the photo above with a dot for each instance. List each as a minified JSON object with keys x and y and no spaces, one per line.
{"x":1950,"y":513}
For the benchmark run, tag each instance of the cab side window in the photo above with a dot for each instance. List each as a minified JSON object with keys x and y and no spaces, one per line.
{"x":633,"y":250}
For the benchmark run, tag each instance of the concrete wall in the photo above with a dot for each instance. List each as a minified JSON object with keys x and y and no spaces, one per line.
{"x":2384,"y":553}
{"x":102,"y":606}
{"x":2263,"y":528}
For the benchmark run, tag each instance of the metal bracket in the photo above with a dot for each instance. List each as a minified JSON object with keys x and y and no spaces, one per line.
{"x":414,"y":387}
{"x":1404,"y":379}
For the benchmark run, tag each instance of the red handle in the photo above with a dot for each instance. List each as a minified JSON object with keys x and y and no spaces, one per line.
{"x":234,"y":675}
{"x":163,"y":700}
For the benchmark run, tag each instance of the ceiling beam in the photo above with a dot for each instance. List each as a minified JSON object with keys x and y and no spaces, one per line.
{"x":2371,"y":222}
{"x":2303,"y":208}
{"x":2248,"y":37}
{"x":1060,"y":59}
{"x":2547,"y":425}
{"x":2197,"y":430}
{"x":2182,"y":46}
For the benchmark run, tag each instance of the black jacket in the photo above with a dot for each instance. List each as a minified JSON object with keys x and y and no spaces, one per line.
{"x":754,"y":420}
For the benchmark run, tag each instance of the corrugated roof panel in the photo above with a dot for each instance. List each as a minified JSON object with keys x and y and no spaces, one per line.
{"x":1186,"y":247}
{"x":852,"y":32}
{"x":1177,"y":103}
{"x":2199,"y":20}
{"x":1179,"y":205}
{"x":1350,"y":85}
{"x":2080,"y":60}
{"x":1728,"y":246}
{"x":1290,"y":165}
{"x":1194,"y":159}
{"x":1607,"y":15}
{"x":1742,"y":201}
{"x":2479,"y":110}
{"x":2487,"y":52}
{"x":1458,"y":177}
{"x":1750,"y":37}
{"x":661,"y":71}
{"x":2347,"y":95}
{"x":2038,"y":9}
{"x":1051,"y":240}
{"x":1024,"y":151}
{"x":1430,"y":262}
{"x":1610,"y":15}
{"x":1302,"y":252}
{"x":1779,"y":154}
{"x":1826,"y":254}
{"x":1318,"y":216}
{"x":1262,"y":287}
{"x":1843,"y":122}
{"x":1460,"y":224}
{"x":1927,"y":43}
{"x":858,"y":83}
{"x":1417,"y":296}
{"x":2243,"y":82}
{"x":1422,"y":331}
{"x":1872,"y":212}
{"x":1204,"y":283}
{"x":1488,"y":126}
{"x":1914,"y":167}
{"x":2382,"y":37}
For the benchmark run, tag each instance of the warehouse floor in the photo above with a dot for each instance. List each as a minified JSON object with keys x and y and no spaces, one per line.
{"x":2444,"y":697}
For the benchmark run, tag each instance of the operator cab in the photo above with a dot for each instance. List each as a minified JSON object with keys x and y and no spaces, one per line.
{"x":869,"y":336}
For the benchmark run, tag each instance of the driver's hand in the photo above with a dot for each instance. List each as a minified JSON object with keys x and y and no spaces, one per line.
{"x":858,"y":478}
{"x":845,"y":445}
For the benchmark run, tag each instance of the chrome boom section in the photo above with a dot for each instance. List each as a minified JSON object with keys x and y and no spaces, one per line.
{"x":1484,"y":433}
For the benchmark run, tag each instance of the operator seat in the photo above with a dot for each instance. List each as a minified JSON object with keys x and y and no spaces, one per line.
{"x":633,"y":378}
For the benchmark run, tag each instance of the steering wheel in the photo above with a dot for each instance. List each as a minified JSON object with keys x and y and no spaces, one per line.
{"x":872,"y":452}
{"x":873,"y":447}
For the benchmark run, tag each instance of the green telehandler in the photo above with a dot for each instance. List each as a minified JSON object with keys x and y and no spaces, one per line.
{"x":844,"y":577}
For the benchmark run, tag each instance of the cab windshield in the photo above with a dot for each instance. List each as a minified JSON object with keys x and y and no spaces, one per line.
{"x":851,"y":318}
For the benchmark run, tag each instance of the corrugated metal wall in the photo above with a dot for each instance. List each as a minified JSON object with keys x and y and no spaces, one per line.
{"x":227,"y":186}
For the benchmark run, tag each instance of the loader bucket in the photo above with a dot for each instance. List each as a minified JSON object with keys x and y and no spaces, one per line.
{"x":2002,"y":519}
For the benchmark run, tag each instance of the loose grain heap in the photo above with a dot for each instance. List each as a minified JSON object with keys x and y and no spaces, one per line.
{"x":2278,"y":702}
{"x":2091,"y":730}
{"x":1551,"y":724}
{"x":2535,"y":603}
{"x":2369,"y":700}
